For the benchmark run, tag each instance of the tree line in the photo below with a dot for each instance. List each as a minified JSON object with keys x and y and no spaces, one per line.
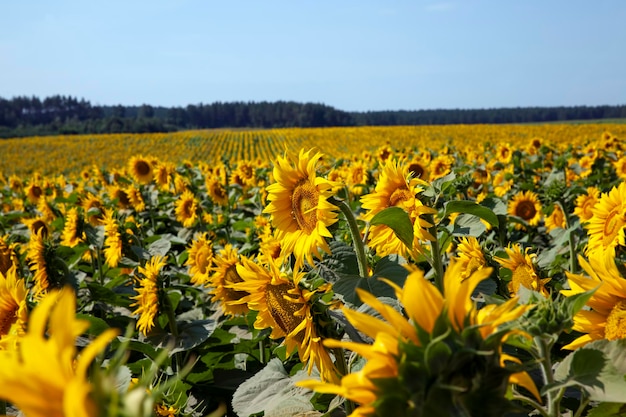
{"x":30,"y":116}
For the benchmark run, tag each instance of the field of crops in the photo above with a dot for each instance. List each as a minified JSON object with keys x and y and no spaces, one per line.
{"x":372,"y":271}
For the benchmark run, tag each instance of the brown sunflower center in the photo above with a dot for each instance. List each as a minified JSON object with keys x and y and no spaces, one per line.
{"x":616,"y":322}
{"x":304,"y":205}
{"x":187,"y":208}
{"x":232,"y":277}
{"x":417,"y":170}
{"x":6,"y":258}
{"x":282,"y":309}
{"x":36,"y":191}
{"x":142,"y":168}
{"x":40,"y":225}
{"x":399,"y":196}
{"x":526,"y":210}
{"x":613,"y":224}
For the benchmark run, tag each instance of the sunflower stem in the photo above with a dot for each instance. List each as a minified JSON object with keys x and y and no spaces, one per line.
{"x":3,"y":407}
{"x":436,"y":262}
{"x":359,"y":246}
{"x":544,"y":347}
{"x":572,"y":248}
{"x":532,"y":403}
{"x":342,"y":367}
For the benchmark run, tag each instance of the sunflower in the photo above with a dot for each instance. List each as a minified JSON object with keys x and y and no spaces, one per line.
{"x":136,"y":199}
{"x":216,"y":191}
{"x":470,"y":256}
{"x":522,"y":267}
{"x":418,"y":169}
{"x":36,"y":225}
{"x":526,"y":206}
{"x":606,"y":316}
{"x":397,"y":368}
{"x":13,"y":308}
{"x":119,"y":194}
{"x":502,"y":181}
{"x":186,"y":209}
{"x":620,"y":167}
{"x":440,"y":166}
{"x":504,"y":153}
{"x":556,"y":220}
{"x":45,"y":376}
{"x":200,"y":260}
{"x":141,"y":169}
{"x":585,"y":204}
{"x":113,"y":243}
{"x":357,"y":177}
{"x":34,"y":192}
{"x":147,"y":298}
{"x":163,"y":175}
{"x":244,"y":174}
{"x":8,"y":257}
{"x":286,"y":308}
{"x":93,"y":209}
{"x":224,"y":279}
{"x":39,"y":257}
{"x":73,"y":233}
{"x":299,"y":207}
{"x":605,"y":228}
{"x":395,"y":188}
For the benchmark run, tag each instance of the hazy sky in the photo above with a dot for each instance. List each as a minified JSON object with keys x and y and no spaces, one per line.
{"x":353,"y":55}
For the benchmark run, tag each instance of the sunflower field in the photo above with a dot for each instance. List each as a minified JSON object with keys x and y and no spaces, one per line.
{"x":369,"y":271}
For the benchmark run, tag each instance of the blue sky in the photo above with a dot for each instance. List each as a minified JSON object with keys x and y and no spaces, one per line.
{"x":353,"y":55}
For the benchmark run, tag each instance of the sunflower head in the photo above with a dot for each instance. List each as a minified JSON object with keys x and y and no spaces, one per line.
{"x":8,"y":256}
{"x":607,"y":224}
{"x":525,"y":205}
{"x":522,"y":267}
{"x":299,"y":206}
{"x":13,"y":308}
{"x":141,"y":169}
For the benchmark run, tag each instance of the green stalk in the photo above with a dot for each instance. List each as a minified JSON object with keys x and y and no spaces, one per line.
{"x":343,"y":370}
{"x":435,"y":252}
{"x":359,"y":246}
{"x":544,"y":347}
{"x":573,"y":265}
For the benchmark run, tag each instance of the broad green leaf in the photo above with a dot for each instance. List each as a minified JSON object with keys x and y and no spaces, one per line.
{"x":341,"y":261}
{"x":470,"y":207}
{"x":190,"y":335}
{"x":399,"y":221}
{"x":608,"y":410}
{"x":160,"y":247}
{"x":466,"y":225}
{"x":96,"y":324}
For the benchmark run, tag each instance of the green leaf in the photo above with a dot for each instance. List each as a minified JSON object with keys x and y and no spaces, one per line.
{"x":160,"y":247}
{"x":341,"y":261}
{"x":574,"y":303}
{"x":388,"y":267}
{"x":399,"y":221}
{"x":190,"y":335}
{"x":608,"y":410}
{"x":96,"y":324}
{"x":466,"y":225}
{"x":470,"y":207}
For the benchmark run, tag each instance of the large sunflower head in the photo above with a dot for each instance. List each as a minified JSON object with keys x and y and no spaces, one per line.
{"x":73,"y":231}
{"x":470,"y":255}
{"x":522,"y":266}
{"x":216,"y":190}
{"x":402,"y":377}
{"x":288,"y":309}
{"x":526,"y":206}
{"x":299,"y":206}
{"x":605,"y":228}
{"x":606,"y":316}
{"x":396,"y":188}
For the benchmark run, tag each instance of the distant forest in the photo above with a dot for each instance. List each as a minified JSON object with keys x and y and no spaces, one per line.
{"x":31,"y":116}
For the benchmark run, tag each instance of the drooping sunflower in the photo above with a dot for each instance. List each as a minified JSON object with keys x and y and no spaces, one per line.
{"x":606,"y":318}
{"x":606,"y":226}
{"x":93,"y":209}
{"x":119,"y":194}
{"x":286,"y":308}
{"x":39,"y":256}
{"x":37,"y":225}
{"x":147,"y":298}
{"x":163,"y":175}
{"x":216,"y":190}
{"x":141,"y":169}
{"x":73,"y":232}
{"x":13,"y":308}
{"x":299,"y":206}
{"x":470,"y":255}
{"x":585,"y":204}
{"x":526,"y":206}
{"x":396,"y":188}
{"x":398,"y":367}
{"x":200,"y":260}
{"x":225,"y":278}
{"x":44,"y":376}
{"x":556,"y":220}
{"x":521,"y":263}
{"x":187,"y":209}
